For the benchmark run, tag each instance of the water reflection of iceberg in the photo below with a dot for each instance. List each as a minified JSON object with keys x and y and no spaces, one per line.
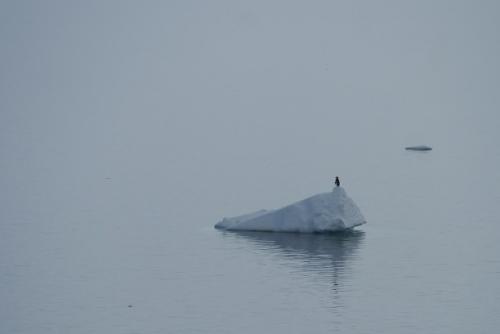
{"x":323,"y":254}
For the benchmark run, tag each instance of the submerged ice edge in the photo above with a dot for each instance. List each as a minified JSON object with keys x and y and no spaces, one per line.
{"x":418,"y":148}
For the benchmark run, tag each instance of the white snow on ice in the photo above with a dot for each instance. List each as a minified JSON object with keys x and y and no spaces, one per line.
{"x":327,"y":212}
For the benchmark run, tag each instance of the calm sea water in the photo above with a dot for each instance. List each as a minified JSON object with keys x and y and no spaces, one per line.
{"x":128,"y":129}
{"x":88,"y":261}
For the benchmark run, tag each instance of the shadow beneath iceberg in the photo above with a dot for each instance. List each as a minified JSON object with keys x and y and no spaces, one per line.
{"x":326,"y":255}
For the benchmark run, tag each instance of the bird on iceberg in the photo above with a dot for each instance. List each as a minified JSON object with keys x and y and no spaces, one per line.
{"x":323,"y":213}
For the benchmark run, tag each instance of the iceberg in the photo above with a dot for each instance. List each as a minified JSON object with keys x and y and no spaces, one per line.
{"x":328,"y":212}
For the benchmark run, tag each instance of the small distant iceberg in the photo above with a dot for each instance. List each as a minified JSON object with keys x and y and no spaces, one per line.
{"x":328,"y":212}
{"x":418,"y":148}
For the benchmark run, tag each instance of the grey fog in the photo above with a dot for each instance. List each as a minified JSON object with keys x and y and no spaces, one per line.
{"x":129,"y":128}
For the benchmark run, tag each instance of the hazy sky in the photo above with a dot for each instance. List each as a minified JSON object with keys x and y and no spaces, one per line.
{"x":217,"y":101}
